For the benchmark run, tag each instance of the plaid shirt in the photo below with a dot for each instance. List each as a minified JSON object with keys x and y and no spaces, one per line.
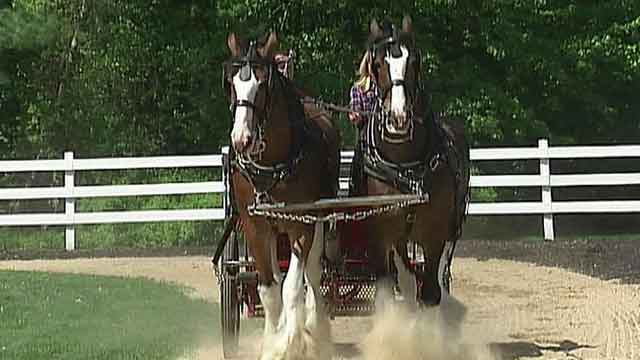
{"x":363,"y":100}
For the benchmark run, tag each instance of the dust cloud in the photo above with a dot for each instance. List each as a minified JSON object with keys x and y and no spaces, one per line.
{"x":427,"y":334}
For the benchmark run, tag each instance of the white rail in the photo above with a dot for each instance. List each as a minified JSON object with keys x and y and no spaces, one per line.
{"x":70,"y":192}
{"x":543,"y":179}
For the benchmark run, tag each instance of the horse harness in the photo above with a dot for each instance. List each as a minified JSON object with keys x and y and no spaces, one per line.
{"x":409,"y":177}
{"x":263,"y":178}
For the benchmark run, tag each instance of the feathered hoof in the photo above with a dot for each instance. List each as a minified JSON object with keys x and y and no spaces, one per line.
{"x":302,"y":345}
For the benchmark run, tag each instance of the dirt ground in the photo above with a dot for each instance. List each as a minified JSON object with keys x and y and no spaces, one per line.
{"x":514,"y":309}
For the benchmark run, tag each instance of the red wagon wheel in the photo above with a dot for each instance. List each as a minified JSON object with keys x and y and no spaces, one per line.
{"x":230,"y":300}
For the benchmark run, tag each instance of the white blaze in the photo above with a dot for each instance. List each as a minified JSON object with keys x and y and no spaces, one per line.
{"x":243,"y":118}
{"x":397,"y":69}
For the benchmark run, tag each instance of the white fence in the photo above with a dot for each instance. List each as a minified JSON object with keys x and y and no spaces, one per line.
{"x":543,"y":179}
{"x":70,"y":192}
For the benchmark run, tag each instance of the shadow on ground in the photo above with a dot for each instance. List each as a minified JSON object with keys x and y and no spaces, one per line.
{"x":519,"y":349}
{"x":505,"y":350}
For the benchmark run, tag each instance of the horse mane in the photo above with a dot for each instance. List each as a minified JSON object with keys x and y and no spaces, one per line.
{"x":292,"y":94}
{"x":305,"y":127}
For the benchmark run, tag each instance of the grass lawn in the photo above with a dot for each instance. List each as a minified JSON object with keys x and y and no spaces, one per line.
{"x":58,"y":316}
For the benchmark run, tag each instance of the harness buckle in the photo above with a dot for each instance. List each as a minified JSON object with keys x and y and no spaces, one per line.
{"x":414,"y":184}
{"x":434,"y":163}
{"x":416,"y":187}
{"x":262,"y":197}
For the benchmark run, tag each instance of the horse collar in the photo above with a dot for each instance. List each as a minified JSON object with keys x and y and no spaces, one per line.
{"x":265,"y":178}
{"x":409,"y":177}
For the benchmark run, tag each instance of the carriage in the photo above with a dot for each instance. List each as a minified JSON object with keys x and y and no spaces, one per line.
{"x":348,"y":284}
{"x":343,"y":255}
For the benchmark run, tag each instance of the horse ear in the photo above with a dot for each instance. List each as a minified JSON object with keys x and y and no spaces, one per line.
{"x":269,"y":47}
{"x":407,"y":24}
{"x":234,"y":44}
{"x":374,"y":28}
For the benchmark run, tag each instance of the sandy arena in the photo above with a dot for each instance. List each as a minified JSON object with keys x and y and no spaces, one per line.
{"x":514,"y":310}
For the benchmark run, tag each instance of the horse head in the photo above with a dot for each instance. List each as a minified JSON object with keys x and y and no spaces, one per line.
{"x":394,"y":64}
{"x":248,"y":81}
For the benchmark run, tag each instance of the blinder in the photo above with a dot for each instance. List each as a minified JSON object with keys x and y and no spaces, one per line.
{"x":393,"y":46}
{"x":245,"y":66}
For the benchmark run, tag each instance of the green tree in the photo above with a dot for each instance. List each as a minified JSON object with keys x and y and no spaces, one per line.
{"x":120,"y":77}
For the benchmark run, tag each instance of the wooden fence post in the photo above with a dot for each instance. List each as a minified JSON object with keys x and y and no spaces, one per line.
{"x":545,"y":172}
{"x":70,"y":202}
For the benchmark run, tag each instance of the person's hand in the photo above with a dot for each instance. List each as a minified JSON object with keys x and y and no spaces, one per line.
{"x":281,"y":58}
{"x":355,"y":118}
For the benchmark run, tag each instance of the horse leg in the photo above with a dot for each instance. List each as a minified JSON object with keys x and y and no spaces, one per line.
{"x":436,"y":279}
{"x":270,"y":290}
{"x":444,"y":270}
{"x":288,"y":342}
{"x":379,"y":250}
{"x":275,"y":265}
{"x":313,"y":275}
{"x":431,"y":290}
{"x":406,"y":275}
{"x":317,"y":321}
{"x":271,"y":294}
{"x":268,"y":286}
{"x":271,"y":300}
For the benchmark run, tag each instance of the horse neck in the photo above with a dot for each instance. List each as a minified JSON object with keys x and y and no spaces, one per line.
{"x":278,"y":131}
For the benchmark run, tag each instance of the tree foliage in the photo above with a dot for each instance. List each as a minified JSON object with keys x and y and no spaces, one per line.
{"x":122,"y":77}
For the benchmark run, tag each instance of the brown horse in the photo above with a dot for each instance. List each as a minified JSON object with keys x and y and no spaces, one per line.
{"x":280,"y":155}
{"x":408,"y":149}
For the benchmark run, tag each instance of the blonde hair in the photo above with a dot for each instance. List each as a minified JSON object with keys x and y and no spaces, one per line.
{"x":364,"y":79}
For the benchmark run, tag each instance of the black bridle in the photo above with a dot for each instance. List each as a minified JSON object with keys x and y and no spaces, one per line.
{"x":263,"y":178}
{"x":245,"y":65}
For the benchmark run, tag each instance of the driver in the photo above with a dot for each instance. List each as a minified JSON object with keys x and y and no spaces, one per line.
{"x":363,"y":96}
